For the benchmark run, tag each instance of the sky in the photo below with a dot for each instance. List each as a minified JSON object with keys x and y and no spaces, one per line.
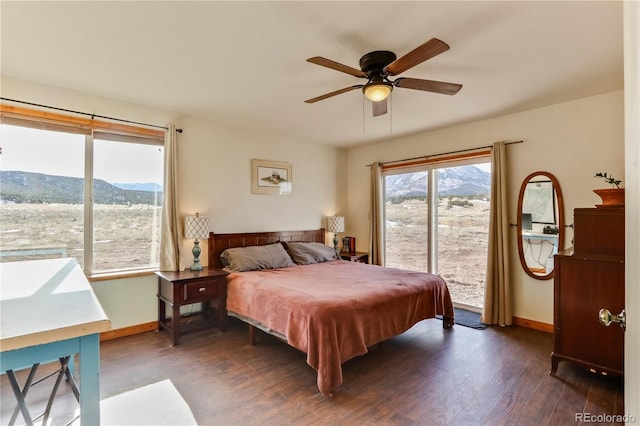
{"x":62,"y":154}
{"x":484,"y":166}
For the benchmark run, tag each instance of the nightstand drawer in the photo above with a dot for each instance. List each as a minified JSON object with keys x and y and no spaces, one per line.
{"x":208,"y":287}
{"x":201,"y":290}
{"x":360,"y":257}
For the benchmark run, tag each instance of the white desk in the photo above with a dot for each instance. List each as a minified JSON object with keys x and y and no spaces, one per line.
{"x":542,"y":263}
{"x":552,"y":238}
{"x":49,"y":311}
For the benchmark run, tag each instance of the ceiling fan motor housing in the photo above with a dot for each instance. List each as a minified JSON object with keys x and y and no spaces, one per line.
{"x":373,"y":62}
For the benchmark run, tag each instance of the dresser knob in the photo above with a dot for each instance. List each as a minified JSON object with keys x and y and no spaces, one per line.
{"x":202,"y":289}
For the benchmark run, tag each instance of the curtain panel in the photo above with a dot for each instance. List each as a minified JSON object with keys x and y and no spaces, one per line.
{"x":376,"y":230}
{"x":498,"y":293}
{"x":171,"y":232}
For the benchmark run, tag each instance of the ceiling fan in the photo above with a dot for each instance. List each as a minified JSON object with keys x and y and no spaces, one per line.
{"x":379,"y":65}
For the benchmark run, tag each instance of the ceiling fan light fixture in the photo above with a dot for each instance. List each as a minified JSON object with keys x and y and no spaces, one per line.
{"x":376,"y":92}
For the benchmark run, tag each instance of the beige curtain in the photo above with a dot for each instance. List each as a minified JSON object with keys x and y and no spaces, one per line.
{"x":171,"y":231}
{"x":376,"y":231}
{"x":497,"y":294}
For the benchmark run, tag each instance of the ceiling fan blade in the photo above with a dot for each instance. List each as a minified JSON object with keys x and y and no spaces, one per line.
{"x":418,"y":55}
{"x":334,"y":93}
{"x":379,"y":108}
{"x":318,"y":60}
{"x":428,"y":85}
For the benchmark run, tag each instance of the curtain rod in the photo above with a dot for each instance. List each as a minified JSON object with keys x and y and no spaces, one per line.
{"x":86,"y":113}
{"x":425,"y":157}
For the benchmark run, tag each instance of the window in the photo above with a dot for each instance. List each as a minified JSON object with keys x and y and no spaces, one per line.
{"x":70,"y":190}
{"x":126,"y":213}
{"x":437,"y":220}
{"x":42,"y":212}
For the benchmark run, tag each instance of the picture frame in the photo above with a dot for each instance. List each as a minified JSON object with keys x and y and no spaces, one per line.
{"x":271,"y":177}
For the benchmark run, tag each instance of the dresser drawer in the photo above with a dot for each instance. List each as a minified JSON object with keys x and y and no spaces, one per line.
{"x":202,"y":290}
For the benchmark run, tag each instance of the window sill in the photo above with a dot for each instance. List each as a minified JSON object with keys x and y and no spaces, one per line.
{"x":108,"y":276}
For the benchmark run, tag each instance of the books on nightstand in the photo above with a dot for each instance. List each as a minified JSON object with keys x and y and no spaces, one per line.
{"x":349,"y":245}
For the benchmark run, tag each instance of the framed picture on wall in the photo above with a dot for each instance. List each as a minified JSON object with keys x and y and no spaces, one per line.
{"x":271,"y":177}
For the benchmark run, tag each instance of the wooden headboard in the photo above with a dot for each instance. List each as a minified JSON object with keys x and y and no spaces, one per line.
{"x":220,"y":242}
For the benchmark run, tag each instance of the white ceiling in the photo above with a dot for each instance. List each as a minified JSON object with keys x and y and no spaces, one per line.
{"x":243,"y":63}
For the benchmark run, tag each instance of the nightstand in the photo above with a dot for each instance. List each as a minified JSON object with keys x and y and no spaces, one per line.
{"x":179,"y":288}
{"x":359,"y":256}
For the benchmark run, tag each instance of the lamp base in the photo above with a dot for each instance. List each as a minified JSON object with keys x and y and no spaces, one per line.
{"x":196,"y":257}
{"x":335,"y":241}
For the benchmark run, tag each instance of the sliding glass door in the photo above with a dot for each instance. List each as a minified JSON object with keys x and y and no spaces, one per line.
{"x":437,"y":220}
{"x":463,"y":230}
{"x":406,"y":217}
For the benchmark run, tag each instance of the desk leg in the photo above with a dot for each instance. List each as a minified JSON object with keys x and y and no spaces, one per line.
{"x":62,"y":373}
{"x":90,"y":380}
{"x":21,"y":395}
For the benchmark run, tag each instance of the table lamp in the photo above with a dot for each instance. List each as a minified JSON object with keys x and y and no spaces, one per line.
{"x":335,"y":225}
{"x":196,"y":227}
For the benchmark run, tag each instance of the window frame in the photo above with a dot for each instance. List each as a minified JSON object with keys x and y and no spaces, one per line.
{"x":430,"y":166}
{"x":104,"y":130}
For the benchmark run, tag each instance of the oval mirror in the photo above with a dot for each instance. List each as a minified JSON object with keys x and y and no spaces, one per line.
{"x":540,"y":224}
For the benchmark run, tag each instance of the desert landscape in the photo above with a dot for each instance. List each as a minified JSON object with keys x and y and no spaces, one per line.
{"x":462,"y":242}
{"x":43,"y":231}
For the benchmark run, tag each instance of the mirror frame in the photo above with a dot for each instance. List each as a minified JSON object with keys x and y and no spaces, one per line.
{"x":560,"y":201}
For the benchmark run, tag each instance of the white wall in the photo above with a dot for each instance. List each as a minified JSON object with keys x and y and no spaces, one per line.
{"x":215,"y":180}
{"x":572,"y":140}
{"x":128,"y":301}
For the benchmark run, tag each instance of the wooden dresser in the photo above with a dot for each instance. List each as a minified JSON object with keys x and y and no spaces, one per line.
{"x":588,"y":277}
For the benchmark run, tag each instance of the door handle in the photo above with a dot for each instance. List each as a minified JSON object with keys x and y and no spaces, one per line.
{"x":606,"y":318}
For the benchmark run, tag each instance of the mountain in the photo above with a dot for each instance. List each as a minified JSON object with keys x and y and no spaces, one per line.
{"x":146,"y":186}
{"x":459,"y":180}
{"x":27,"y":187}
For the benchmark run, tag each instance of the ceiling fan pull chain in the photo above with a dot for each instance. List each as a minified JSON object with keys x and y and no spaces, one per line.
{"x":390,"y":104}
{"x":363,"y":129}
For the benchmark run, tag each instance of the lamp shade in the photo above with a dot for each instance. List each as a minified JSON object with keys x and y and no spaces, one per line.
{"x":336,"y":224}
{"x":196,"y":227}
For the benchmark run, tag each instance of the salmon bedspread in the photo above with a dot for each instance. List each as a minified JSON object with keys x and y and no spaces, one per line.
{"x":333,"y":311}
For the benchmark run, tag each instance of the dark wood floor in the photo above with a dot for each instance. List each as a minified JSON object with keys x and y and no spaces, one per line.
{"x":428,"y":375}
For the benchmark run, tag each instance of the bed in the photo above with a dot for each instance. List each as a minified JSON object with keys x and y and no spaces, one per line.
{"x":332,"y":310}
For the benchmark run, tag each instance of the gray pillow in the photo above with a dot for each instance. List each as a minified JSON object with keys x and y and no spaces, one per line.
{"x":270,"y":256}
{"x":308,"y":253}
